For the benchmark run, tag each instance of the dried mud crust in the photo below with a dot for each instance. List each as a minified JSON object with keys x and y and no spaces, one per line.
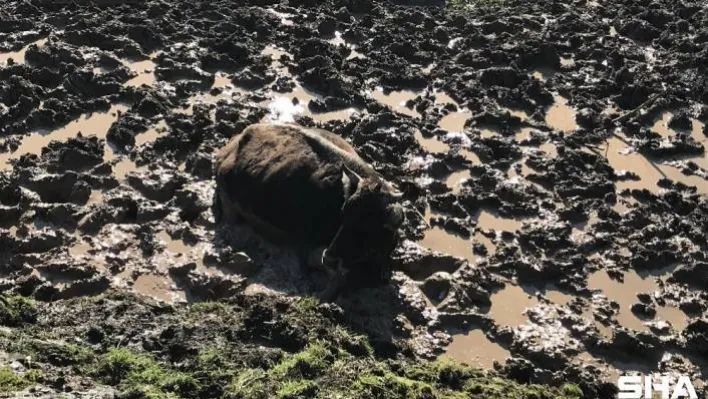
{"x":156,"y":87}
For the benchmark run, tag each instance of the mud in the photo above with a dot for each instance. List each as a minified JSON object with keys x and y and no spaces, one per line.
{"x":554,"y":150}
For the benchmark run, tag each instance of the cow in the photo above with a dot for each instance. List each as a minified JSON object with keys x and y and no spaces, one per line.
{"x":308,"y":189}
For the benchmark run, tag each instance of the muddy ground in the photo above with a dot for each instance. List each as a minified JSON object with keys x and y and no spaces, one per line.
{"x":552,"y":156}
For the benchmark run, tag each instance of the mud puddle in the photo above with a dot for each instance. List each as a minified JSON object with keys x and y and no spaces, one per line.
{"x":94,"y":124}
{"x":158,"y":287}
{"x":397,"y":100}
{"x":437,"y":239}
{"x":284,"y":107}
{"x":625,"y":294}
{"x":509,"y":305}
{"x":151,"y":134}
{"x":474,"y":348}
{"x":123,"y":167}
{"x":18,"y":57}
{"x":432,"y":145}
{"x":623,"y":157}
{"x":456,"y":179}
{"x":145,"y":70}
{"x":661,"y":126}
{"x":560,"y":116}
{"x":488,"y":219}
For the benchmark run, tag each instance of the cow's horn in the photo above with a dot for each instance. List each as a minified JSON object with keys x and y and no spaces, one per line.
{"x":354,"y":178}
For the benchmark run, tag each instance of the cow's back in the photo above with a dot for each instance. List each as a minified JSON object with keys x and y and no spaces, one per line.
{"x":285,"y":180}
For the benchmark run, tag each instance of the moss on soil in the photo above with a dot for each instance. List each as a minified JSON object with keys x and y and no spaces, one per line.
{"x":251,"y":348}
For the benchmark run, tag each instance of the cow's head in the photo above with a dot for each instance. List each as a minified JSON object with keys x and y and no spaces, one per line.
{"x":371,"y":217}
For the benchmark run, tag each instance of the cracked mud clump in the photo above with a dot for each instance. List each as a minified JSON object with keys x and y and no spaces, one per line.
{"x":552,"y":159}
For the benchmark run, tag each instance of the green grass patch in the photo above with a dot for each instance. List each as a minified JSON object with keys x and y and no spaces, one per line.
{"x":136,"y":372}
{"x":16,"y":310}
{"x":306,"y":364}
{"x":297,"y":389}
{"x":10,"y":382}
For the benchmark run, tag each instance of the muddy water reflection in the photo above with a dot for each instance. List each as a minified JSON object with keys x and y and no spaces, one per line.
{"x":474,"y":348}
{"x":122,"y":168}
{"x":397,"y":100}
{"x":454,"y":121}
{"x":284,"y":107}
{"x":490,"y":220}
{"x":432,"y":144}
{"x":18,"y":57}
{"x":456,"y":179}
{"x":145,"y":70}
{"x":623,"y":158}
{"x":437,"y":239}
{"x":95,"y":124}
{"x":625,"y":294}
{"x":158,"y":287}
{"x":509,"y":305}
{"x":560,"y":116}
{"x":151,"y":134}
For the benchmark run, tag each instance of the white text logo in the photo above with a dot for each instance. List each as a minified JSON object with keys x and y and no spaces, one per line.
{"x":638,"y":387}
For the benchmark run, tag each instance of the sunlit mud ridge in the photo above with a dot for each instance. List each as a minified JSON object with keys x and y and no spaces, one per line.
{"x":552,"y":158}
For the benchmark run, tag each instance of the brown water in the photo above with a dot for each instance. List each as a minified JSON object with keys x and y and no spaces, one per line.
{"x":621,"y":157}
{"x":123,"y":167}
{"x":455,"y":179}
{"x":172,"y":245}
{"x":19,"y":56}
{"x":523,"y":115}
{"x":397,"y":100}
{"x":560,"y":116}
{"x":550,"y":149}
{"x":471,"y":156}
{"x":625,"y":294}
{"x":432,"y":144}
{"x":481,"y":238}
{"x":543,"y":74}
{"x":489,"y":220}
{"x":509,"y":305}
{"x":96,"y":197}
{"x":95,"y":124}
{"x":145,"y":70}
{"x":283,"y":107}
{"x":557,"y":296}
{"x":437,"y":239}
{"x":454,"y":121}
{"x":222,"y":80}
{"x":151,"y":134}
{"x":474,"y":348}
{"x":661,"y":126}
{"x":80,"y":248}
{"x":158,"y":287}
{"x":488,"y":132}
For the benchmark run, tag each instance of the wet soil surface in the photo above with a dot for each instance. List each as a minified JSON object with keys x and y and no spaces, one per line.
{"x":552,"y":156}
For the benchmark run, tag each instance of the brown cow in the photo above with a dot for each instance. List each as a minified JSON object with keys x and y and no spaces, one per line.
{"x":308,"y":188}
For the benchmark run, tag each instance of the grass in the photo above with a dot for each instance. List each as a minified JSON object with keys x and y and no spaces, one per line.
{"x":300,"y":350}
{"x":17,"y":310}
{"x":10,"y":382}
{"x":140,"y":373}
